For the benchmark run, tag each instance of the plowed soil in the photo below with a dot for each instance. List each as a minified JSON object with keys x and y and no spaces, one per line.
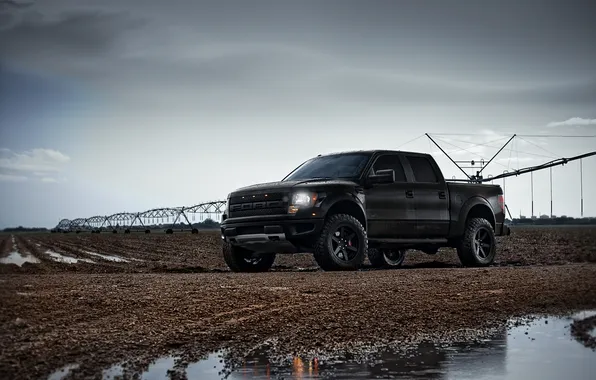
{"x":184,"y":252}
{"x":97,"y":314}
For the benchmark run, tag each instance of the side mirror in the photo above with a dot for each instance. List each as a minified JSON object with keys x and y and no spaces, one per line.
{"x":382,"y":176}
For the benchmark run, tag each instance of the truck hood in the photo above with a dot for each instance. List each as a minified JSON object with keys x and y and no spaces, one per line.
{"x":281,"y":186}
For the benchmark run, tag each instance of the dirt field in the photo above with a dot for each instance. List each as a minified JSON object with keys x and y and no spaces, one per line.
{"x":104,"y":310}
{"x":184,"y":252}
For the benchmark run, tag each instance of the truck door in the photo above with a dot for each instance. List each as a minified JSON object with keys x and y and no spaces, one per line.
{"x":431,"y":198}
{"x":389,"y":209}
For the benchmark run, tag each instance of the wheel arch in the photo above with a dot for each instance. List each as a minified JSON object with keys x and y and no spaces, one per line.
{"x":476,"y":207}
{"x":346,"y":204}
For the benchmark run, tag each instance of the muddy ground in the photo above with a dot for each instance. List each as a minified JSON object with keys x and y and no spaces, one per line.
{"x":100,"y":313}
{"x":184,"y":252}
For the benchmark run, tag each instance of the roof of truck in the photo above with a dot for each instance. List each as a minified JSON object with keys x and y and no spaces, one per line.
{"x":371,"y":151}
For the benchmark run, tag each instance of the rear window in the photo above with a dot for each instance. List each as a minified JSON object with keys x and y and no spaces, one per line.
{"x":423,"y":169}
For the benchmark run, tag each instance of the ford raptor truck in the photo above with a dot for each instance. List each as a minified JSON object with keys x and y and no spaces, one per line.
{"x":345,"y":207}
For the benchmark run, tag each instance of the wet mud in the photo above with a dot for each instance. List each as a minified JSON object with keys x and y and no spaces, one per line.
{"x":97,"y":320}
{"x":185,"y":252}
{"x":542,"y":348}
{"x":147,"y":297}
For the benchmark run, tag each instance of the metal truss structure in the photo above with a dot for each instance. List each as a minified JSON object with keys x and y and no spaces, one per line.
{"x":178,"y":217}
{"x":170,"y":218}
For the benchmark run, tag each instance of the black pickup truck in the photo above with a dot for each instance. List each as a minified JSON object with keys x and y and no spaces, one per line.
{"x":344,"y":207}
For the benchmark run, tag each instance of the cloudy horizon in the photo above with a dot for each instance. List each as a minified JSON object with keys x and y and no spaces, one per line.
{"x":129,"y":105}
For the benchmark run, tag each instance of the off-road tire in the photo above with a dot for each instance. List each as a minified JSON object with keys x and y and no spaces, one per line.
{"x":465,"y":248}
{"x":235,"y":260}
{"x":377,"y":259}
{"x":326,"y":259}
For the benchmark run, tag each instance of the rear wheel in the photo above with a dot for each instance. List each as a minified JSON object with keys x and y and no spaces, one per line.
{"x":239,"y":259}
{"x":386,"y":258}
{"x":478,"y":246}
{"x":342,"y":245}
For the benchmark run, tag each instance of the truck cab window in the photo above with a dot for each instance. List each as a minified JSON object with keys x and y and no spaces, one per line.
{"x":391,"y":161}
{"x":423,"y":170}
{"x":332,"y":166}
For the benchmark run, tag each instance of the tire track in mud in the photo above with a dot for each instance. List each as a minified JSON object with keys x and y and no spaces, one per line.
{"x":5,"y":245}
{"x":61,"y":248}
{"x":98,"y":264}
{"x":185,"y":252}
{"x":169,"y":253}
{"x":38,"y":249}
{"x":107,"y":245}
{"x":119,"y":248}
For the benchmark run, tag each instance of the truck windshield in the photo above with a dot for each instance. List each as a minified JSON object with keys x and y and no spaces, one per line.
{"x":331,"y":167}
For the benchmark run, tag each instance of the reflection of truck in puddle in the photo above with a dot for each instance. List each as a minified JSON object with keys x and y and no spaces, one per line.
{"x":470,"y":360}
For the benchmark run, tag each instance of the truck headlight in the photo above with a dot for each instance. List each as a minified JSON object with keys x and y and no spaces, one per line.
{"x":226,"y":210}
{"x":302,"y":199}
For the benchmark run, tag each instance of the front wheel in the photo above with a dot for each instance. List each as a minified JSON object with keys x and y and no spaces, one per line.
{"x":386,"y":258}
{"x":478,"y":246}
{"x":239,"y":259}
{"x":342,"y":245}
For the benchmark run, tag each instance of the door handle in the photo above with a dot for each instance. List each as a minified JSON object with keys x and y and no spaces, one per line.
{"x":442,"y":195}
{"x":409,"y":194}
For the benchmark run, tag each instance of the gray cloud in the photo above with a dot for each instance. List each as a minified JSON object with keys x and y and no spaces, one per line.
{"x":316,"y":73}
{"x":573,"y":122}
{"x":7,"y":12}
{"x":12,"y":178}
{"x":358,"y":53}
{"x":14,"y":4}
{"x":40,"y":42}
{"x":388,"y":88}
{"x":34,"y":163}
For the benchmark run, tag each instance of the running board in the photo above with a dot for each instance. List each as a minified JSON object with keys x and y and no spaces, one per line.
{"x":407,"y":243}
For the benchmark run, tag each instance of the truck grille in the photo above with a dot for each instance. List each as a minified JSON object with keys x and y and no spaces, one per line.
{"x":258,"y":204}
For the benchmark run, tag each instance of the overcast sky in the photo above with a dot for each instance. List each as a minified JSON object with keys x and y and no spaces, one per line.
{"x":122,"y":105}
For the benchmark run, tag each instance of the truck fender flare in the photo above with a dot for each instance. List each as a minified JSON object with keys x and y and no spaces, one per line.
{"x":465,"y":210}
{"x":331,"y":201}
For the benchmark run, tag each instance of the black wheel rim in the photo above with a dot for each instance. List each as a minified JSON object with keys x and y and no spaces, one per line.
{"x":394,"y":257}
{"x":253,"y":260}
{"x":344,"y":243}
{"x":483,"y":243}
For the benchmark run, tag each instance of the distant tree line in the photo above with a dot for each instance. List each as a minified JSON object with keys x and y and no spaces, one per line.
{"x":555,"y":221}
{"x":25,"y":229}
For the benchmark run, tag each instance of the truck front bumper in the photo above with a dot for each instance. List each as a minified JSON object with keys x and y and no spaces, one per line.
{"x":272,"y":235}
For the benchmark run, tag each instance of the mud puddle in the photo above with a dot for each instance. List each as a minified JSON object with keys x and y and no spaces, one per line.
{"x":113,"y":258}
{"x":18,"y":258}
{"x":66,"y":259}
{"x":542,"y":348}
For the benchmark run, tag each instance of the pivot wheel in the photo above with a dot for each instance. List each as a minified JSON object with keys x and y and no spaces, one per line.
{"x":478,"y":245}
{"x":342,"y":244}
{"x":239,"y":259}
{"x":386,"y":258}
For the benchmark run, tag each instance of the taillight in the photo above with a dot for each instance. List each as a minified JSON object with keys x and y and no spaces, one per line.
{"x":502,"y":202}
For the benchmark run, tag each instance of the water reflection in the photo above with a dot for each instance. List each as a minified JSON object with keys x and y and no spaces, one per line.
{"x":16,"y":257}
{"x":19,"y":259}
{"x":543,"y":349}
